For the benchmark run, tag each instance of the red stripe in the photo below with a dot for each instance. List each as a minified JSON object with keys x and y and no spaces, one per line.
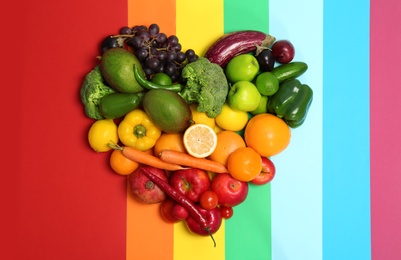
{"x":385,"y":130}
{"x":71,"y":205}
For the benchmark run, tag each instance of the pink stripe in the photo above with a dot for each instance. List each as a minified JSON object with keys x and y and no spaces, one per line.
{"x":385,"y":100}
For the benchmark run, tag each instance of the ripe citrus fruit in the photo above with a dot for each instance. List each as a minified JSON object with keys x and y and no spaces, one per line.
{"x":201,"y":117}
{"x":200,"y":140}
{"x":162,"y":79}
{"x":244,"y":164}
{"x":267,"y":134}
{"x":231,"y":119}
{"x":262,"y":108}
{"x":267,"y":83}
{"x":121,"y":164}
{"x":227,"y":142}
{"x":101,"y":133}
{"x":169,"y":142}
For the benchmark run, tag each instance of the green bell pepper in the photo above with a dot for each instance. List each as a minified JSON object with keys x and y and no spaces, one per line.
{"x":291,"y":102}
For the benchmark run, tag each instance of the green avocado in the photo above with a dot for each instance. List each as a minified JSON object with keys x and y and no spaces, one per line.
{"x":167,"y":110}
{"x":117,"y":67}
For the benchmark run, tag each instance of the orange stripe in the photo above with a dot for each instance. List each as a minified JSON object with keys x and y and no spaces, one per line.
{"x":148,"y":236}
{"x":161,"y":12}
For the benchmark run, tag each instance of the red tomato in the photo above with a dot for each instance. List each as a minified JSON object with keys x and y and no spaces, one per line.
{"x":166,"y":211}
{"x":208,"y":200}
{"x":226,"y":212}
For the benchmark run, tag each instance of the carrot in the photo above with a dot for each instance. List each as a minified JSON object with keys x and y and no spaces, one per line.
{"x":185,"y":159}
{"x":146,"y":158}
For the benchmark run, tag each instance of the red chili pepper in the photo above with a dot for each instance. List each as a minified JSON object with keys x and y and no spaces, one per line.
{"x":179,"y":198}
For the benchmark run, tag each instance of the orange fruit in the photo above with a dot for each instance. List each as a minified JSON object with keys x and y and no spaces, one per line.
{"x":267,"y":134}
{"x":166,"y":141}
{"x":200,"y":140}
{"x":244,"y":164}
{"x":121,"y":164}
{"x":227,"y":142}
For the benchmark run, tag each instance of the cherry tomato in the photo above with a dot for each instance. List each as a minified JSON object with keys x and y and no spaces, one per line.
{"x":208,"y":200}
{"x":226,"y":212}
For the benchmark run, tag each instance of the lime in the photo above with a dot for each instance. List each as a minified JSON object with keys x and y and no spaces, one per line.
{"x":262,"y":108}
{"x":161,"y":79}
{"x":267,"y":83}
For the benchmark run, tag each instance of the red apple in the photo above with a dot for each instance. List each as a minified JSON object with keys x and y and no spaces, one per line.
{"x":213,"y":218}
{"x":283,"y":51}
{"x":267,"y":174}
{"x":230,"y":191}
{"x":144,"y":189}
{"x":166,"y":211}
{"x":190,"y":182}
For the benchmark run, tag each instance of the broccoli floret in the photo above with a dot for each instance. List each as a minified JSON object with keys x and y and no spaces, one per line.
{"x":92,"y":91}
{"x":206,"y":85}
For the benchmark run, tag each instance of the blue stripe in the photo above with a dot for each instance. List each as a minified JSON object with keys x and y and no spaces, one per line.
{"x":346,"y":171}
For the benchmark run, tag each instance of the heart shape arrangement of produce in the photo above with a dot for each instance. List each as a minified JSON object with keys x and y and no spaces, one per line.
{"x":189,"y":132}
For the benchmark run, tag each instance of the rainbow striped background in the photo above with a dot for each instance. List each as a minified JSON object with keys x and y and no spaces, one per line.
{"x":337,"y":191}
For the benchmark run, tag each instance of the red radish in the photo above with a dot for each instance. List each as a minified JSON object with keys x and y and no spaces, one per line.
{"x":179,"y":212}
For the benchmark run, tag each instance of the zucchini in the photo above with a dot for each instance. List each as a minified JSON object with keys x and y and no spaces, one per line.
{"x":290,"y":70}
{"x":117,"y":105}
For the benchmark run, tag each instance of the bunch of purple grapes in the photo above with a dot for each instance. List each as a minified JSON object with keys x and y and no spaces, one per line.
{"x":156,"y":51}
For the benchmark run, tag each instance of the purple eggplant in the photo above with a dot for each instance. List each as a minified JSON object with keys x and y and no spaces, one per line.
{"x":239,"y":42}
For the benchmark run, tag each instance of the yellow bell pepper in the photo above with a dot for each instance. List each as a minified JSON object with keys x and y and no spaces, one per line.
{"x":137,"y":130}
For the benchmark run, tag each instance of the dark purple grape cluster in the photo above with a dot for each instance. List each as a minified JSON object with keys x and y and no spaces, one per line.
{"x":156,"y":51}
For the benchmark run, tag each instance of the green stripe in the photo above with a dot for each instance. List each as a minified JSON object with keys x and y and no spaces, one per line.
{"x":243,"y":240}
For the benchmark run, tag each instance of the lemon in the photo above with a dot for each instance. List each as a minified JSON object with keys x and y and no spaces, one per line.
{"x":101,"y":133}
{"x":267,"y":83}
{"x":201,"y":117}
{"x":231,"y":119}
{"x":200,"y":140}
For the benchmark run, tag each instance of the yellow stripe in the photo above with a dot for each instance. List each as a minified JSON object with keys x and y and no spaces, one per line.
{"x":198,"y":25}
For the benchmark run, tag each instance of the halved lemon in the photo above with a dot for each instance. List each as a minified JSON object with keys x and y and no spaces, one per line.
{"x":200,"y":140}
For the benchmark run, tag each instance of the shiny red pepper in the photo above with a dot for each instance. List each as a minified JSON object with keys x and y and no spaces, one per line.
{"x":181,"y":199}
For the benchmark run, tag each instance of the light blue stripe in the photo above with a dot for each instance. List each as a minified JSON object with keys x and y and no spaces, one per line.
{"x":296,"y":190}
{"x":346,"y":171}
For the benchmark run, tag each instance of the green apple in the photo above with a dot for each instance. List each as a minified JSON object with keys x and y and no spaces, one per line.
{"x":262,"y":108}
{"x":244,"y":96}
{"x":243,"y":67}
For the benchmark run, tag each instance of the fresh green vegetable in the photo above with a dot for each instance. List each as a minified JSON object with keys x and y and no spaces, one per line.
{"x":290,"y":70}
{"x":93,"y":89}
{"x":206,"y":84}
{"x":116,"y":105}
{"x":291,"y":102}
{"x":152,"y":85}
